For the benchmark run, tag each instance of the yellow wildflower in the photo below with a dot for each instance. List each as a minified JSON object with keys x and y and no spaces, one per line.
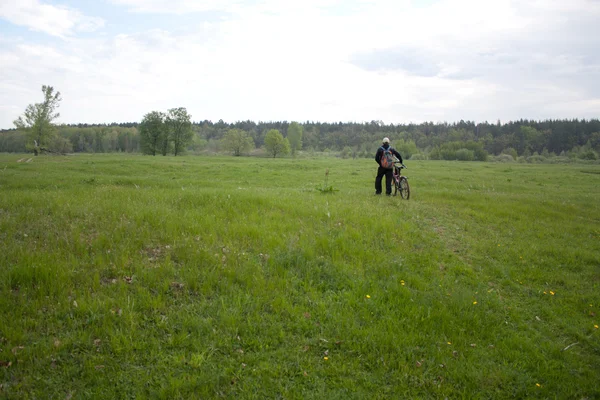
{"x":474,"y":302}
{"x":368,"y":297}
{"x":325,"y":358}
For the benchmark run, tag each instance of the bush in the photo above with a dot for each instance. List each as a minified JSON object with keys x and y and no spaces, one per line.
{"x":560,"y":160}
{"x":448,"y":154}
{"x":504,"y":158}
{"x":547,"y":154}
{"x":197,"y":145}
{"x":346,"y":152}
{"x":60,"y":145}
{"x":449,"y":151}
{"x":418,"y":156}
{"x":588,"y":155}
{"x":405,"y":148}
{"x":465,"y":155}
{"x":511,"y":152}
{"x":536,"y":159}
{"x":480,"y":154}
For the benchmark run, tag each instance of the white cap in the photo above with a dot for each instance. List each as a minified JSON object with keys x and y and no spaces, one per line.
{"x":386,"y":140}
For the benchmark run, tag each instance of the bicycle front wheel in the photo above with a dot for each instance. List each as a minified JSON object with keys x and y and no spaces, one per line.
{"x":404,"y":188}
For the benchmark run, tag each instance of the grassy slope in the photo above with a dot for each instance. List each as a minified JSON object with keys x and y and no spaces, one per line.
{"x":126,"y":276}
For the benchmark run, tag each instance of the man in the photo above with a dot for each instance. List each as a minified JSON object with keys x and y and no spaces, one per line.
{"x":384,"y":152}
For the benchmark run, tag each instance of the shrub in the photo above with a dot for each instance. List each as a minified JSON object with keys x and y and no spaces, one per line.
{"x":536,"y":159}
{"x":465,"y":155}
{"x":511,"y":152}
{"x":588,"y":155}
{"x":504,"y":158}
{"x":448,"y":154}
{"x":448,"y":151}
{"x":560,"y":160}
{"x":547,"y":154}
{"x":346,"y":152}
{"x":418,"y":156}
{"x":480,"y":154}
{"x":406,"y":148}
{"x":61,"y":145}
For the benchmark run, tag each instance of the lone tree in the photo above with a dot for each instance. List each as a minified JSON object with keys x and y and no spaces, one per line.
{"x":237,"y":141}
{"x":37,"y":120}
{"x":294,"y":135}
{"x":276,"y":144}
{"x":179,"y":126}
{"x":153,"y":132}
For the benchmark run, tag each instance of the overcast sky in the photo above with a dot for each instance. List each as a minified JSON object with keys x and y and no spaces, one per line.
{"x":322,"y":60}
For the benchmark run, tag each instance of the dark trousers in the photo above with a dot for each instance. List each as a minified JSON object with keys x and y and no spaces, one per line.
{"x":388,"y":173}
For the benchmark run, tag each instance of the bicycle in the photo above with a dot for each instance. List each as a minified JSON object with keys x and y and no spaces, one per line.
{"x":400,"y":181}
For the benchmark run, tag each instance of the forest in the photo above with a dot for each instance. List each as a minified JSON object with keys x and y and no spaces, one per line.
{"x":465,"y":140}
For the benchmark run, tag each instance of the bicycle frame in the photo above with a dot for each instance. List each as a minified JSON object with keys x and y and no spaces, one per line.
{"x":397,"y":172}
{"x":400,"y":181}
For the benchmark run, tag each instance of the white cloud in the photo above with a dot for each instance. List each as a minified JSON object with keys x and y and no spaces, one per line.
{"x":54,"y":20}
{"x":234,"y":6}
{"x":179,"y":6}
{"x":329,"y":61}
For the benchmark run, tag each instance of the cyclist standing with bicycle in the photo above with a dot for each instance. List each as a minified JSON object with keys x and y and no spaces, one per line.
{"x":385,"y":157}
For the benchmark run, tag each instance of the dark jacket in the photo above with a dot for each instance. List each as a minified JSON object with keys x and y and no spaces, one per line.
{"x":380,"y":153}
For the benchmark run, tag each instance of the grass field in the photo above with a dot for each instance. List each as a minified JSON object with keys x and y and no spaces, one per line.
{"x":201,"y":277}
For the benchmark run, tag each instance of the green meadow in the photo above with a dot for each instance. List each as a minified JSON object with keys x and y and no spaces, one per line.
{"x":127,"y":276}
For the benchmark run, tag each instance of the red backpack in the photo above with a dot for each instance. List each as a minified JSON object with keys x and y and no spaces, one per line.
{"x":387,"y":158}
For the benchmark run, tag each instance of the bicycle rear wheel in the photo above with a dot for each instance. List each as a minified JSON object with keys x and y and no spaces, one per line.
{"x":404,"y":188}
{"x":396,"y":185}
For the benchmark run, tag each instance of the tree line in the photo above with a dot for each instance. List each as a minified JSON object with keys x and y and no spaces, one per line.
{"x":173,"y":132}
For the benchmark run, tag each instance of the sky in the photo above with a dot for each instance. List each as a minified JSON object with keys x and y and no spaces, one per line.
{"x":396,"y":61}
